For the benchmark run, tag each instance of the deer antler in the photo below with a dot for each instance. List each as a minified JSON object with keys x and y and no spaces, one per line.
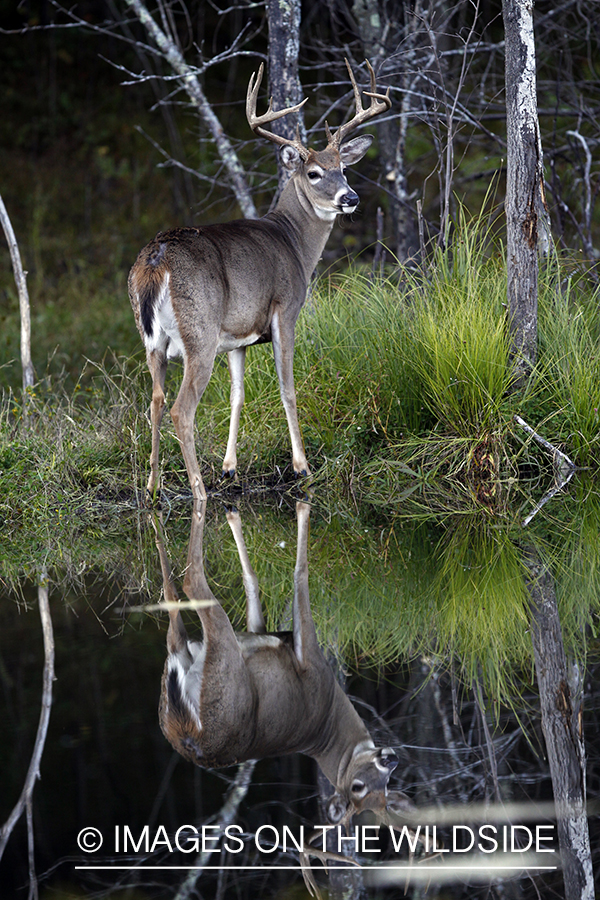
{"x":324,"y":856}
{"x":379,"y":103}
{"x":256,"y":122}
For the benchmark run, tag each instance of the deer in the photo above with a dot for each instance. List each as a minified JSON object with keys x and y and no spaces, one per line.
{"x":199,"y":292}
{"x":234,"y":696}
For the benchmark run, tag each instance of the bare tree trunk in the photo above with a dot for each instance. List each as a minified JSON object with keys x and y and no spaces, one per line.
{"x":525,"y":182}
{"x":560,"y":702}
{"x":284,"y":83}
{"x":173,"y":55}
{"x":21,"y":282}
{"x":381,"y":30}
{"x":345,"y":882}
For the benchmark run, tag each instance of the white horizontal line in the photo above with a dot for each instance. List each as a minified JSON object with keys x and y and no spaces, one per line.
{"x":384,"y":868}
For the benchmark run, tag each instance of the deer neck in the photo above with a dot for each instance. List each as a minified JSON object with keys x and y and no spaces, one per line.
{"x":306,"y":230}
{"x":346,"y":735}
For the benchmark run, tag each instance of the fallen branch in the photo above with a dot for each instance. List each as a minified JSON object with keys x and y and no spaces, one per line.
{"x":564,"y":468}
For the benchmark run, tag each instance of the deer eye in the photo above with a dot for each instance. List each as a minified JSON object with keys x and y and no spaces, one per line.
{"x":358,"y":787}
{"x":314,"y":175}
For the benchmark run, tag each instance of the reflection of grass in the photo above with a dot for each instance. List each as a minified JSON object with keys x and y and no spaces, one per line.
{"x":381,"y":589}
{"x":405,"y":406}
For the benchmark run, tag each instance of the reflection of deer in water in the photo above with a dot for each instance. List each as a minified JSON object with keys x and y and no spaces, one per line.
{"x":234,"y":697}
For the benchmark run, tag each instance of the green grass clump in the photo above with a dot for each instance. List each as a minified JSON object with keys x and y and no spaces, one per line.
{"x":569,"y":362}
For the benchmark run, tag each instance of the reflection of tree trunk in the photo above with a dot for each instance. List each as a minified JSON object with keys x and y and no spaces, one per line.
{"x":33,"y":773}
{"x":435,"y":750}
{"x":560,"y":703}
{"x":344,"y":883}
{"x":227,"y":815}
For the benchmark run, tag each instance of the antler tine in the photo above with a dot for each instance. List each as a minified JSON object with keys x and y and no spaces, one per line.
{"x":325,"y":856}
{"x":379,"y":103}
{"x":256,"y":122}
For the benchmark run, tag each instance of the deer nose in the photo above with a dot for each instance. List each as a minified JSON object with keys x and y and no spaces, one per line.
{"x":350,"y":198}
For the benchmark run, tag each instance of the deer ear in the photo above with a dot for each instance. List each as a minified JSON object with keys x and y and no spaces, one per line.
{"x":290,"y":157}
{"x":336,"y":808}
{"x":388,"y":758}
{"x":355,"y":149}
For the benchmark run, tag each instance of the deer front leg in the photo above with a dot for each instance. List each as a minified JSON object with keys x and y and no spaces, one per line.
{"x":255,"y":622}
{"x":305,"y":636}
{"x":236,"y":360}
{"x":157,"y":363}
{"x":282,"y":337}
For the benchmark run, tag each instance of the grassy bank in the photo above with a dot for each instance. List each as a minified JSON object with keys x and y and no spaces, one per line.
{"x":406,"y":378}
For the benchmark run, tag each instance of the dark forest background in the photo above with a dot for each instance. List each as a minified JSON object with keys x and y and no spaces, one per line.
{"x":96,"y":155}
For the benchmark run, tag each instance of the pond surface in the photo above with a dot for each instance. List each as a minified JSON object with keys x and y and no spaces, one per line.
{"x":423,"y":619}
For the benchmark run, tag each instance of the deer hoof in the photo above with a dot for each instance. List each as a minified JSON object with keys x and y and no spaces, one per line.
{"x":228,"y":473}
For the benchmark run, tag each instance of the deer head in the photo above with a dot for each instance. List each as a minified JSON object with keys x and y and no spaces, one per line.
{"x":364,"y":785}
{"x":321,"y":171}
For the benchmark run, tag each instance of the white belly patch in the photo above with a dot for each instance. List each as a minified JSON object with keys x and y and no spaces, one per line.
{"x":229,"y":342}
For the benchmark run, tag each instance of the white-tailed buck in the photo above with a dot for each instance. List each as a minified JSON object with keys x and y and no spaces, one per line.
{"x":201,"y":291}
{"x":234,"y":697}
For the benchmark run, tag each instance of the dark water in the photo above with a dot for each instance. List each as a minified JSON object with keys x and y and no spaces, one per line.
{"x":415,"y":616}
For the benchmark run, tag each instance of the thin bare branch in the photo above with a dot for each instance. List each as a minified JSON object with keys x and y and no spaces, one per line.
{"x":190,"y":83}
{"x":33,"y":773}
{"x":169,"y":161}
{"x":21,"y":282}
{"x":225,"y":817}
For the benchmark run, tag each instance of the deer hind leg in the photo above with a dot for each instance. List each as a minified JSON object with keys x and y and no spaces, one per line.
{"x":177,"y":635}
{"x":254,"y":617}
{"x":157,"y":363}
{"x":196,"y":375}
{"x":224,"y":670}
{"x":282,"y":337}
{"x":236,"y":360}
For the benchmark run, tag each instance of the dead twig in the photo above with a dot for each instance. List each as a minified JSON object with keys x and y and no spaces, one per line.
{"x":564,"y":468}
